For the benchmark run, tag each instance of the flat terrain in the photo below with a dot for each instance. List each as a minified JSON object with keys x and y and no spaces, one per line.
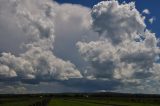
{"x":79,"y":100}
{"x":18,"y":101}
{"x":24,"y":101}
{"x":101,"y":102}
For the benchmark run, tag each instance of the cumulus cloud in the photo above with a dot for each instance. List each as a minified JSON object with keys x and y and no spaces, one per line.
{"x":6,"y":72}
{"x":38,"y":45}
{"x":117,"y":22}
{"x":126,"y":50}
{"x":146,"y":11}
{"x":151,"y":20}
{"x":72,"y":24}
{"x":35,"y":19}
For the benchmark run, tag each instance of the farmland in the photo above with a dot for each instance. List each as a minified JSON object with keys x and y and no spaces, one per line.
{"x":70,"y":99}
{"x":99,"y":102}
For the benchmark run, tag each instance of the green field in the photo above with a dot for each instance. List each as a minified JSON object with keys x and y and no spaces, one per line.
{"x":19,"y":101}
{"x":23,"y":101}
{"x":101,"y":102}
{"x":79,"y":100}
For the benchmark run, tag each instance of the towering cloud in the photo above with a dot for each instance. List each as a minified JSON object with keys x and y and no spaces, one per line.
{"x":46,"y":45}
{"x":34,"y":19}
{"x":126,"y":50}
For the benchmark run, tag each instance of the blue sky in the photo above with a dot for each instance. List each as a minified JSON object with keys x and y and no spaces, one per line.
{"x":151,"y":5}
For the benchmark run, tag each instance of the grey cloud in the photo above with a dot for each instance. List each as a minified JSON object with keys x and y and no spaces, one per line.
{"x":72,"y":24}
{"x":13,"y":90}
{"x":88,"y":85}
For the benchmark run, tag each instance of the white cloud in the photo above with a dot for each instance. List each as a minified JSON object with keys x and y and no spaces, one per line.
{"x":117,"y":22}
{"x":124,"y":55}
{"x":151,"y":20}
{"x":146,"y":11}
{"x":36,"y":19}
{"x":126,"y":50}
{"x":6,"y":72}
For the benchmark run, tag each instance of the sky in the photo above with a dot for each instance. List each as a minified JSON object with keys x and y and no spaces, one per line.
{"x":55,"y":46}
{"x":152,"y":6}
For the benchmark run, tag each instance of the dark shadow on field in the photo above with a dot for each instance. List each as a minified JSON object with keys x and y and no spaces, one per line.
{"x":43,"y":102}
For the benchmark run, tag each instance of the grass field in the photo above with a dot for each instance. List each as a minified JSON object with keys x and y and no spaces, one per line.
{"x":79,"y":100}
{"x":23,"y":101}
{"x":18,"y":101}
{"x":99,"y":102}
